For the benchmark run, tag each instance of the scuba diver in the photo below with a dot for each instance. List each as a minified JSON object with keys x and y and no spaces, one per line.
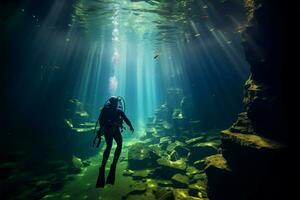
{"x":111,"y":121}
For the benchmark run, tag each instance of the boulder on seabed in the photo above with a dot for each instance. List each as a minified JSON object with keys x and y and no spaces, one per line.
{"x":164,"y":193}
{"x":128,"y":172}
{"x":165,"y":141}
{"x":246,"y":150}
{"x":219,"y":177}
{"x":138,"y":188}
{"x":195,"y":140}
{"x":182,"y":151}
{"x":140,"y":174}
{"x":183,"y":194}
{"x":156,"y":148}
{"x":179,"y":164}
{"x":140,"y":156}
{"x":191,"y":170}
{"x":177,"y":144}
{"x":168,"y":168}
{"x":164,"y":183}
{"x":202,"y":150}
{"x":199,"y":164}
{"x":180,"y":180}
{"x":139,"y":192}
{"x":198,"y":185}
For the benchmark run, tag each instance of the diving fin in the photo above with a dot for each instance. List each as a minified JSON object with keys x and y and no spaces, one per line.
{"x":111,"y":176}
{"x":101,"y":178}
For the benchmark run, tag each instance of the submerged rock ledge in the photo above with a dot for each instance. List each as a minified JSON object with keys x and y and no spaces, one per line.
{"x":249,"y":140}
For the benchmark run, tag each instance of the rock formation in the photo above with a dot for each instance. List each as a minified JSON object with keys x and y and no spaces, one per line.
{"x":255,"y":163}
{"x":169,"y":160}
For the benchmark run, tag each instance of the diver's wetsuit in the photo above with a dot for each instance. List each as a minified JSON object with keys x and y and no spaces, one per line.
{"x":110,"y":120}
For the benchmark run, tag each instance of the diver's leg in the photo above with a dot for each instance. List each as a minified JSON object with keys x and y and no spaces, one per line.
{"x":118,"y":138}
{"x":108,"y":140}
{"x":101,"y":176}
{"x":112,"y":172}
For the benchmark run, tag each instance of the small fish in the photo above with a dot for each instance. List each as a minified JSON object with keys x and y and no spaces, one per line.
{"x":205,"y":6}
{"x":156,"y":56}
{"x":197,"y":35}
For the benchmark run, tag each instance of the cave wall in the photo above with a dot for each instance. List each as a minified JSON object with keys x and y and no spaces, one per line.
{"x":260,"y":157}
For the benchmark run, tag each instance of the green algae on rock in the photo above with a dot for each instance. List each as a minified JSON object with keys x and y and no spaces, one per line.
{"x":178,"y":164}
{"x":180,"y":180}
{"x":141,"y":156}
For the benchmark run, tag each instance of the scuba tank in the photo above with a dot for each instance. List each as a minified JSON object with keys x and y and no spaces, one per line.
{"x":121,"y":105}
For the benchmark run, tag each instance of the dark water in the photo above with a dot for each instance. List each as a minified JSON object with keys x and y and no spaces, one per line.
{"x":178,"y":64}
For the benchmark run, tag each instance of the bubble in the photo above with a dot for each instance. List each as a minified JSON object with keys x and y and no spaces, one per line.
{"x":113,"y":84}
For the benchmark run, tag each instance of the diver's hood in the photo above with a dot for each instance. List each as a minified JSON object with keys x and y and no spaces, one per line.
{"x":116,"y":101}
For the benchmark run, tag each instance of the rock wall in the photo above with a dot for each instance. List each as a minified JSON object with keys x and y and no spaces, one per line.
{"x":256,"y":151}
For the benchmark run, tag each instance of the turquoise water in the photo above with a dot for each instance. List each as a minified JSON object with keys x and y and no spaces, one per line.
{"x":179,"y":65}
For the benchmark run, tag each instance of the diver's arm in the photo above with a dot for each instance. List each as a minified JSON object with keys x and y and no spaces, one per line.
{"x":127,"y":120}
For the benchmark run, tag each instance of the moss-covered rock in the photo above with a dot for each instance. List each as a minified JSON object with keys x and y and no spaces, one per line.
{"x":140,"y":194}
{"x":183,"y":194}
{"x":248,"y":149}
{"x":199,"y":185}
{"x":138,"y":188}
{"x":179,"y":164}
{"x":201,"y":150}
{"x":141,"y":156}
{"x":179,"y":152}
{"x":164,"y":193}
{"x":177,"y":144}
{"x":168,"y":168}
{"x":165,"y":141}
{"x":200,"y":177}
{"x":180,"y":180}
{"x":195,"y":140}
{"x":218,"y":173}
{"x":140,"y":174}
{"x":199,"y":164}
{"x":216,"y":162}
{"x":128,"y":172}
{"x":165,"y":183}
{"x":190,"y":170}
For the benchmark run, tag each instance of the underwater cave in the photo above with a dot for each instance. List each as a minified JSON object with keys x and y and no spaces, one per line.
{"x":209,"y":88}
